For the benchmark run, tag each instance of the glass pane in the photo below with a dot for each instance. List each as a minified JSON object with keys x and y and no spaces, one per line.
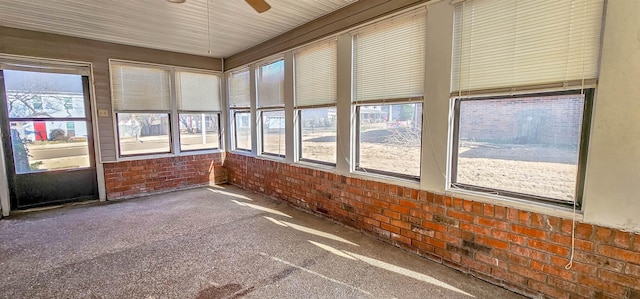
{"x":390,"y":138}
{"x":242,"y":126}
{"x":318,"y":134}
{"x":199,"y":131}
{"x":143,"y":133}
{"x":273,"y":138}
{"x":43,"y":95}
{"x":524,"y":145}
{"x":49,"y":145}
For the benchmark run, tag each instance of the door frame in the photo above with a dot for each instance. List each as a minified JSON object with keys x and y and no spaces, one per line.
{"x":17,"y":62}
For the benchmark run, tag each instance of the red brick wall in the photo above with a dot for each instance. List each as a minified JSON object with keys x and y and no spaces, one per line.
{"x":522,"y":251}
{"x":130,"y":178}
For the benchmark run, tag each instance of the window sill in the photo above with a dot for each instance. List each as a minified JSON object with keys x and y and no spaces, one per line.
{"x":387,"y":179}
{"x":165,"y":155}
{"x":317,"y":166}
{"x":538,"y":207}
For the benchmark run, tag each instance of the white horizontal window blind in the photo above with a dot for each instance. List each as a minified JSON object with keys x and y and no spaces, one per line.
{"x":140,"y":88}
{"x":315,"y":74}
{"x":271,"y":84}
{"x":198,"y":91}
{"x":8,"y":62}
{"x":389,"y":57}
{"x":521,"y":44}
{"x":239,"y":89}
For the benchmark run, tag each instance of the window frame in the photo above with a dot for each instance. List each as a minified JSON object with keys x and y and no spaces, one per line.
{"x":234,"y":112}
{"x":298,"y":143}
{"x":585,"y":129}
{"x":261,"y":132}
{"x":356,"y":144}
{"x":219,"y":138}
{"x":117,"y":137}
{"x":176,"y":77}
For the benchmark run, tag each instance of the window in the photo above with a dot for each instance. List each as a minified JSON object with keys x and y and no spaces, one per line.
{"x":315,"y":98}
{"x":388,"y":66}
{"x":523,"y":75}
{"x":273,"y":137}
{"x":242,"y":132}
{"x":199,"y":110}
{"x":146,"y":115}
{"x":389,"y":139}
{"x":521,"y":146}
{"x":239,"y":104}
{"x":141,"y":102}
{"x":270,"y":107}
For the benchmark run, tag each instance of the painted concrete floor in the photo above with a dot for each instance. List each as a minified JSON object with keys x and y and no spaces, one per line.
{"x":219,"y":242}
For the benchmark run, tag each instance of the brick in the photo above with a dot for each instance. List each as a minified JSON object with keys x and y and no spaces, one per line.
{"x":401,"y":239}
{"x":612,"y":288}
{"x":488,"y":210}
{"x":620,"y":254}
{"x":512,"y":214}
{"x":528,"y":273}
{"x":602,"y":234}
{"x":529,"y":232}
{"x":546,"y":289}
{"x":380,"y":218}
{"x":467,"y":206}
{"x":633,"y":270}
{"x":568,"y":286}
{"x":530,"y":253}
{"x":575,"y":266}
{"x":509,"y":276}
{"x":524,"y":217}
{"x":435,"y":242}
{"x":400,"y":224}
{"x":600,"y":261}
{"x":490,"y":260}
{"x":475,"y":228}
{"x":457,"y":204}
{"x":409,"y":204}
{"x":622,"y":239}
{"x":549,"y":247}
{"x":410,"y":234}
{"x":434,"y":226}
{"x":460,"y":216}
{"x":566,"y":240}
{"x":513,"y":238}
{"x":477,"y":208}
{"x":583,"y":230}
{"x":493,"y":243}
{"x":399,"y":209}
{"x":500,"y":212}
{"x":538,"y":221}
{"x":519,"y":260}
{"x":458,"y":250}
{"x":481,"y":267}
{"x":445,"y":220}
{"x":367,"y":220}
{"x":491,"y":223}
{"x":617,"y":278}
{"x":476,"y":246}
{"x":391,"y":214}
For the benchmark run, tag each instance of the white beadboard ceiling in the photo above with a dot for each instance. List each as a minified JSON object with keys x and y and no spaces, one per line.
{"x":233,"y":25}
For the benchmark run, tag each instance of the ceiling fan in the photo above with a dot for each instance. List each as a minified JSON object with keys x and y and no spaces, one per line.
{"x":258,"y":5}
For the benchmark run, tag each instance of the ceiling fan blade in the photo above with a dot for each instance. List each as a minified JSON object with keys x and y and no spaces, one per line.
{"x":259,"y":5}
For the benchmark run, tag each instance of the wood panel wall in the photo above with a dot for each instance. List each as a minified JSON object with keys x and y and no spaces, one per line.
{"x":54,"y":46}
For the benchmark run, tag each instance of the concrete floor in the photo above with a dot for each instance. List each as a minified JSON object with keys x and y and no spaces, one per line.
{"x":219,"y":242}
